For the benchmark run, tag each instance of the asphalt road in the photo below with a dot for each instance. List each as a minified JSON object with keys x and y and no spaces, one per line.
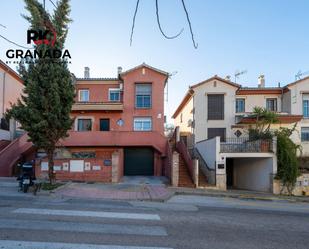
{"x":183,"y":222}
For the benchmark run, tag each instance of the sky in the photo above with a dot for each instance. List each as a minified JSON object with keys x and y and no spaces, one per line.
{"x":269,"y":37}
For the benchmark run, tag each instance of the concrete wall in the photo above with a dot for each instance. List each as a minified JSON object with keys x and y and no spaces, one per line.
{"x":253,"y":173}
{"x":187,"y":115}
{"x":5,"y":135}
{"x":208,"y":150}
{"x":200,"y":106}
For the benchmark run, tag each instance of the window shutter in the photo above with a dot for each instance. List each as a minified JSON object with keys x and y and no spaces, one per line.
{"x":215,"y":106}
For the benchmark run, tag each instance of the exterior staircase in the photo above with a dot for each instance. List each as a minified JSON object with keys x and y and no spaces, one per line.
{"x":184,"y":175}
{"x":12,"y":153}
{"x":202,"y":179}
{"x":3,"y":144}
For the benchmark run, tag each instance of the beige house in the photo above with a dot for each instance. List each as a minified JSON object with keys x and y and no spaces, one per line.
{"x":11,"y":87}
{"x":214,"y":117}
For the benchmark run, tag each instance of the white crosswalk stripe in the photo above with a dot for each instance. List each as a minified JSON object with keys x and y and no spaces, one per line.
{"x":114,"y":215}
{"x":10,"y":244}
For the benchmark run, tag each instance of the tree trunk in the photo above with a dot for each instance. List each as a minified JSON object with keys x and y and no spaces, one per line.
{"x":51,"y":175}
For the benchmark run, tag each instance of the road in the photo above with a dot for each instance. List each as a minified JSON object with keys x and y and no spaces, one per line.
{"x":193,"y":222}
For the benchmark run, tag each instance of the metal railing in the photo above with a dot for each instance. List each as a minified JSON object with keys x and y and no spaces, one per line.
{"x":245,"y":145}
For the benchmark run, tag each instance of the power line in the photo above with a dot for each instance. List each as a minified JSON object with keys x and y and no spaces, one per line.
{"x":53,"y":3}
{"x":16,"y":44}
{"x":189,"y":22}
{"x":133,"y":24}
{"x":159,"y":24}
{"x":2,"y":26}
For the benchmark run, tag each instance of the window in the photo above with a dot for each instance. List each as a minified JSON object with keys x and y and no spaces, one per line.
{"x":83,"y":95}
{"x":104,"y":124}
{"x":84,"y":124}
{"x":306,"y":105}
{"x":240,"y":105}
{"x":217,"y":132}
{"x":181,"y":118}
{"x":142,"y":124}
{"x":305,"y":134}
{"x":143,"y":95}
{"x":271,"y":105}
{"x":215,"y":106}
{"x":114,"y":94}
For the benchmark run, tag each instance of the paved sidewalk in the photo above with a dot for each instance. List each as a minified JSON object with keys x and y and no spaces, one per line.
{"x":240,"y":194}
{"x":119,"y":191}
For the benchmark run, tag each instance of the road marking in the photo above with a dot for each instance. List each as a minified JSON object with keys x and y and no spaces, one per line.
{"x":113,"y":215}
{"x":11,"y":244}
{"x":84,"y":227}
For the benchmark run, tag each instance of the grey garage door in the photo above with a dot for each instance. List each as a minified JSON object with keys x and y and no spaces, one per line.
{"x":138,"y":161}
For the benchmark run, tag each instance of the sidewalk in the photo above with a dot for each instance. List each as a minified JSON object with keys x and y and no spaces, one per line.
{"x":119,"y":191}
{"x":240,"y":194}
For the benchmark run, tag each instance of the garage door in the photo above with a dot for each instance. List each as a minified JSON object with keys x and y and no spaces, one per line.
{"x":138,"y":161}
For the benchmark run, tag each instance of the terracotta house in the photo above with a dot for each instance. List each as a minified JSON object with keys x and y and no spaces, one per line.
{"x":118,"y":128}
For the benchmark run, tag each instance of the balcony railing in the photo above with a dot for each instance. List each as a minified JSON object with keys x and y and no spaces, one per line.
{"x":245,"y":145}
{"x":97,"y":106}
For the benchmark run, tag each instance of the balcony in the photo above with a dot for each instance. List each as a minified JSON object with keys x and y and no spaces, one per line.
{"x":244,"y":145}
{"x":115,"y":138}
{"x":97,"y":106}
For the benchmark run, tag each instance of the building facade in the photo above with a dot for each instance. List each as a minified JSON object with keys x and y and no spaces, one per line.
{"x":118,"y":128}
{"x":219,"y":108}
{"x":11,"y":87}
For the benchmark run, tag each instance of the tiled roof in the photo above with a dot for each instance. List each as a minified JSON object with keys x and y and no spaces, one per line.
{"x":6,"y":68}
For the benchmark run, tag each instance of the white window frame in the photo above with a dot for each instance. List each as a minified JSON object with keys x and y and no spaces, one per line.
{"x":113,"y":90}
{"x":240,"y":99}
{"x":303,"y":131}
{"x":142,"y":119}
{"x":80,"y":95}
{"x":305,"y":99}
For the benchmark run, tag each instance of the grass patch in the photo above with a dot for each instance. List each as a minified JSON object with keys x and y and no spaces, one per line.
{"x":48,"y":186}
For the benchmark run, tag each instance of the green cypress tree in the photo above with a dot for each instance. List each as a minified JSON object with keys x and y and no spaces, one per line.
{"x":44,"y":108}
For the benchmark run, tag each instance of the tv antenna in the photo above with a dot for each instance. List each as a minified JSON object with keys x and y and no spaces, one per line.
{"x":301,"y":74}
{"x":170,"y":75}
{"x":238,"y":73}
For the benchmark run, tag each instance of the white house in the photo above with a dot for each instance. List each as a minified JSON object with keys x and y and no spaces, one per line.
{"x":214,"y":117}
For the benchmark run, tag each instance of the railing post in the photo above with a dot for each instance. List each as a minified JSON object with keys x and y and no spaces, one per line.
{"x":196,"y":172}
{"x":175,"y":169}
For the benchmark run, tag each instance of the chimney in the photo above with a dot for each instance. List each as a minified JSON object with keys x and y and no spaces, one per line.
{"x":228,"y":77}
{"x":87,"y":73}
{"x":119,"y":70}
{"x":261,"y":81}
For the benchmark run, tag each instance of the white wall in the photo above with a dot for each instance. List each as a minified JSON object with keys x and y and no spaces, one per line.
{"x":5,"y":135}
{"x":187,"y":114}
{"x":252,"y":101}
{"x":208,"y":150}
{"x":253,"y":173}
{"x":200,"y":107}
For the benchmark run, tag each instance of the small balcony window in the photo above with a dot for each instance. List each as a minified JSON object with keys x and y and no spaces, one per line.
{"x":114,"y":94}
{"x":305,"y":134}
{"x":83,"y":95}
{"x":306,"y":108}
{"x":142,"y":124}
{"x":240,"y":105}
{"x":271,"y":105}
{"x":84,"y":124}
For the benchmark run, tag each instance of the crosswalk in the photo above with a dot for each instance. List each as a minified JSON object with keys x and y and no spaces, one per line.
{"x":80,"y":223}
{"x":10,"y":244}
